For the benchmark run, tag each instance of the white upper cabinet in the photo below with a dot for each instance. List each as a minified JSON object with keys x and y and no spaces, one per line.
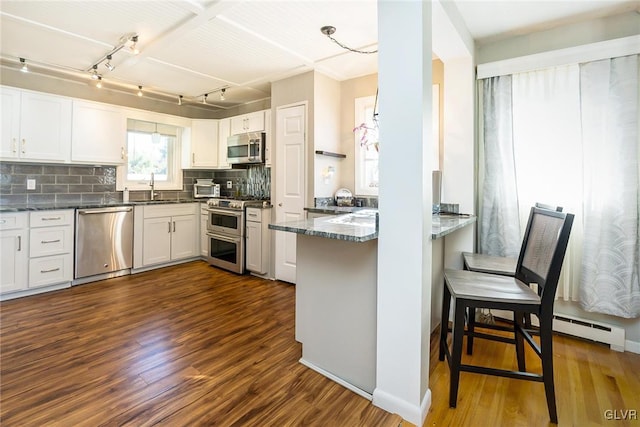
{"x":99,"y":133}
{"x":224,"y":131}
{"x":39,"y":126}
{"x":252,"y":122}
{"x":10,"y":144}
{"x":203,"y":144}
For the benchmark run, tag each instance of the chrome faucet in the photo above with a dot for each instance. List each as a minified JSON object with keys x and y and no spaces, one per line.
{"x":152,"y":183}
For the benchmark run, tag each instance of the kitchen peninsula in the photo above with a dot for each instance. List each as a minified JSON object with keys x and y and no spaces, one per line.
{"x":336,"y":292}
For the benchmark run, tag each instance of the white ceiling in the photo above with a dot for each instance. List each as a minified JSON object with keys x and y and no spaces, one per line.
{"x":197,"y":47}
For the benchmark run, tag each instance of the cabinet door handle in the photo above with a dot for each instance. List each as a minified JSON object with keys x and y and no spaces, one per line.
{"x":52,"y":218}
{"x":3,"y":221}
{"x":280,"y":204}
{"x":169,"y":223}
{"x":122,"y":153}
{"x":50,"y":241}
{"x":50,"y":270}
{"x":24,"y":142}
{"x":193,"y":158}
{"x":15,"y":145}
{"x":174,"y":226}
{"x":19,"y":243}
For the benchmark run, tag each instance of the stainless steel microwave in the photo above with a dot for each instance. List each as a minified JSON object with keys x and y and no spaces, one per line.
{"x":246,"y":148}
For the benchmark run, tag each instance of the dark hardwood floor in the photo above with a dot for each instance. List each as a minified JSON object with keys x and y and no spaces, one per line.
{"x":188,"y":345}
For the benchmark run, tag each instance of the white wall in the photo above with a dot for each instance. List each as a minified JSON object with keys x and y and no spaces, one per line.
{"x":595,"y":30}
{"x":327,"y":135}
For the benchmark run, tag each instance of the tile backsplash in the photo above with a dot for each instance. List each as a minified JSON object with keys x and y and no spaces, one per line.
{"x":57,"y":184}
{"x":97,"y":184}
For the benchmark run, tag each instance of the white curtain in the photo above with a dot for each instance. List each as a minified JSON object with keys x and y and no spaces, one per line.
{"x":548,"y":155}
{"x":610,"y":267}
{"x":499,"y":232}
{"x":564,"y":121}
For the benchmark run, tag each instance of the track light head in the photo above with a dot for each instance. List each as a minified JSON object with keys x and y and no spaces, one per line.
{"x":108,"y":64}
{"x":94,"y":72}
{"x":134,"y":46}
{"x":24,"y":67}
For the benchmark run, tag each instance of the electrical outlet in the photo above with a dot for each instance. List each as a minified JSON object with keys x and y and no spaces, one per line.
{"x":229,"y":184}
{"x":31,"y":184}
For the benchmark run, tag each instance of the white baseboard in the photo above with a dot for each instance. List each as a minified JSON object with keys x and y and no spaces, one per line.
{"x":407,"y":411}
{"x":632,"y":346}
{"x":336,"y":379}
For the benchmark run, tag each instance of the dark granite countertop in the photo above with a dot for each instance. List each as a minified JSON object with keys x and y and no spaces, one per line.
{"x":362,"y":227}
{"x":88,"y":205}
{"x":336,"y":210}
{"x":351,"y":227}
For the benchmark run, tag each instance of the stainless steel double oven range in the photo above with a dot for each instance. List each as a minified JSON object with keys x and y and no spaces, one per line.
{"x":226,"y":233}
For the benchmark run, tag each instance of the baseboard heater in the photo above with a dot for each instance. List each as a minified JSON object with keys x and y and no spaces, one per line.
{"x":580,"y":328}
{"x":595,"y":331}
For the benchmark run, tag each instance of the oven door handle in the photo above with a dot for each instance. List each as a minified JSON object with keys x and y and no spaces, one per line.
{"x":224,"y":238}
{"x":237,"y":214}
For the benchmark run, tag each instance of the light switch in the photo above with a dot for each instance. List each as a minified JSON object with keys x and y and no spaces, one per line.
{"x":229,"y":184}
{"x":31,"y":184}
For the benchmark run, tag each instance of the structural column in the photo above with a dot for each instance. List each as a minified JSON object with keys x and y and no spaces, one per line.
{"x":404,"y":244}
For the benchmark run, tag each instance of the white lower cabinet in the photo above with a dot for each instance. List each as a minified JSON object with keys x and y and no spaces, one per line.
{"x":14,"y":252}
{"x":50,"y":247}
{"x":36,"y":252}
{"x":170,"y":233}
{"x":258,"y":240}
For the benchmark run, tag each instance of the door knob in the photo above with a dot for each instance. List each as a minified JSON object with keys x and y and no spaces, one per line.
{"x":280,"y":204}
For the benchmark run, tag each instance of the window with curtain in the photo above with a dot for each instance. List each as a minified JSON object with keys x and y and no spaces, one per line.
{"x":568,"y":136}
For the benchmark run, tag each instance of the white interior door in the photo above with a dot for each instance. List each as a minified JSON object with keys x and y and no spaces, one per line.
{"x":290,"y":185}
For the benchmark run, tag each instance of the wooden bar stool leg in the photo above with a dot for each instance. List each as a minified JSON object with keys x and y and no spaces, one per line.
{"x":444,"y":321}
{"x":471,"y":327}
{"x":456,"y":354}
{"x":546,"y":348}
{"x":519,"y":339}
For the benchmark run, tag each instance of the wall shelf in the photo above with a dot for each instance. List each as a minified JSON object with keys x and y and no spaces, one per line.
{"x":330,"y":154}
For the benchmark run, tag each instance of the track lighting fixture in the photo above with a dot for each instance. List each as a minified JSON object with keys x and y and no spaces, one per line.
{"x":94,"y":72}
{"x":99,"y":84}
{"x":180,"y":100}
{"x":24,"y":67}
{"x":134,"y":47}
{"x":204,"y":98}
{"x":222,"y":94}
{"x":108,"y":64}
{"x":139,"y":90}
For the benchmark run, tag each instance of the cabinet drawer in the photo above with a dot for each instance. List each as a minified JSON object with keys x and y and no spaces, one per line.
{"x":49,"y":218}
{"x":12,"y":221}
{"x":156,"y":211}
{"x":254,"y":214}
{"x":50,"y":270}
{"x":50,"y":241}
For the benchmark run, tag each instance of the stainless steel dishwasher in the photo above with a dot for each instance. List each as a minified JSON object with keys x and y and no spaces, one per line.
{"x":104,"y":243}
